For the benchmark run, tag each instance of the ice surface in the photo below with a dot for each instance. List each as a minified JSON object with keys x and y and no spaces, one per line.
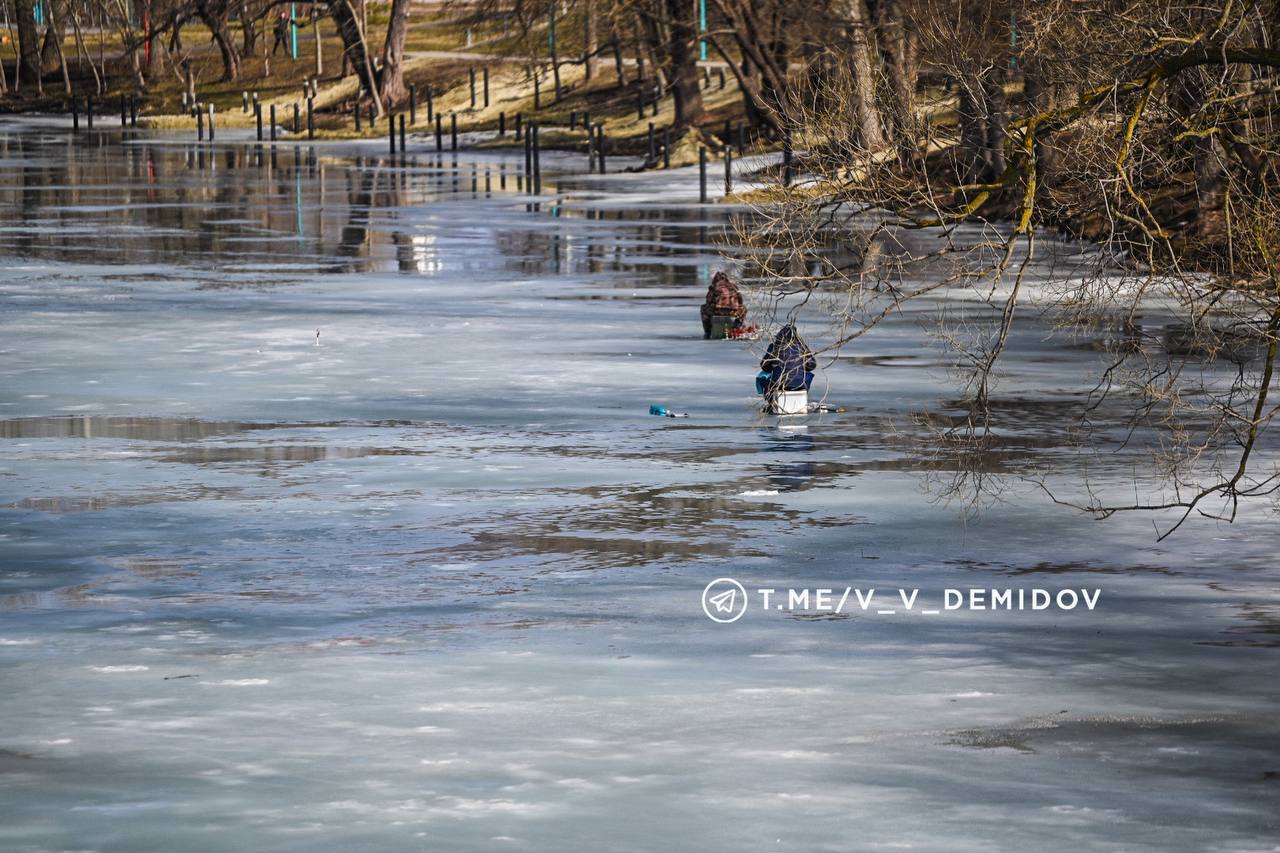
{"x":433,"y":580}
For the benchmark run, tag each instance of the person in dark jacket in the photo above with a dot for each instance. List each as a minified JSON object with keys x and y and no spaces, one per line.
{"x":282,"y":34}
{"x":723,"y":300}
{"x":788,"y":362}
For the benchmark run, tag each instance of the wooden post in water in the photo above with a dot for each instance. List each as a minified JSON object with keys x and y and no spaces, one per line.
{"x":600,"y":145}
{"x":297,"y":118}
{"x":413,"y":104}
{"x":453,"y":131}
{"x":199,"y":124}
{"x":728,"y":171}
{"x":537,"y":163}
{"x":391,"y":132}
{"x":402,"y":134}
{"x":273,"y":125}
{"x":211,"y":122}
{"x":702,"y":175}
{"x":311,"y":119}
{"x":519,"y":123}
{"x":786,"y":159}
{"x":431,"y":103}
{"x":528,"y":160}
{"x":257,"y":118}
{"x":439,"y":132}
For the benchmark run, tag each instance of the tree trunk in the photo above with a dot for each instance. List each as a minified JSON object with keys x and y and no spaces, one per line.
{"x":592,"y":45}
{"x":870,"y":128}
{"x":618,"y":62}
{"x":354,"y":47}
{"x":214,"y":14}
{"x":28,"y":44}
{"x":684,"y":64}
{"x":392,"y":88}
{"x":54,"y":33}
{"x":248,"y":31}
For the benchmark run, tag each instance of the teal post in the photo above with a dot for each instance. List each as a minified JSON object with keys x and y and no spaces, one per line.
{"x":702,"y":28}
{"x":293,"y":29}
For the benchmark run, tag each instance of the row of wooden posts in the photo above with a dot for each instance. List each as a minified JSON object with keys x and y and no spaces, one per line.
{"x":528,"y":131}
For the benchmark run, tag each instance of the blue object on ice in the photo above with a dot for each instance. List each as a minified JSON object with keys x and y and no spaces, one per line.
{"x":762,"y":382}
{"x":655,"y":409}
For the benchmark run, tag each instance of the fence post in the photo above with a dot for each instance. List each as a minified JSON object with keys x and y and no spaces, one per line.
{"x":257,"y":118}
{"x":211,"y":122}
{"x":402,"y":133}
{"x":75,"y":115}
{"x":273,"y":124}
{"x":666,"y":147}
{"x":391,"y":131}
{"x":471,"y":74}
{"x":413,"y":104}
{"x":728,"y":171}
{"x":486,"y":86}
{"x":453,"y":131}
{"x":311,"y":119}
{"x":439,"y":131}
{"x":502,"y":123}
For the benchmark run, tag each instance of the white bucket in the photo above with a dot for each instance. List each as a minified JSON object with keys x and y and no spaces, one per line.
{"x":790,"y":403}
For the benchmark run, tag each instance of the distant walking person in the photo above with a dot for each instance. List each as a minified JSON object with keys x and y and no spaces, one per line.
{"x":723,"y":300}
{"x":282,"y":35}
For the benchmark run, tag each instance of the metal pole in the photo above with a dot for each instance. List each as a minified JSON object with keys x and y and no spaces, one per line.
{"x":293,"y":27}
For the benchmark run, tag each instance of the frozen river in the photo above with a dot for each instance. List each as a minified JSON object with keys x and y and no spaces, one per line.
{"x":332,"y":518}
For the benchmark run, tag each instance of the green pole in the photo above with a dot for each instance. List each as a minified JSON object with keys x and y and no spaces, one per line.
{"x":702,"y":28}
{"x":293,"y":29}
